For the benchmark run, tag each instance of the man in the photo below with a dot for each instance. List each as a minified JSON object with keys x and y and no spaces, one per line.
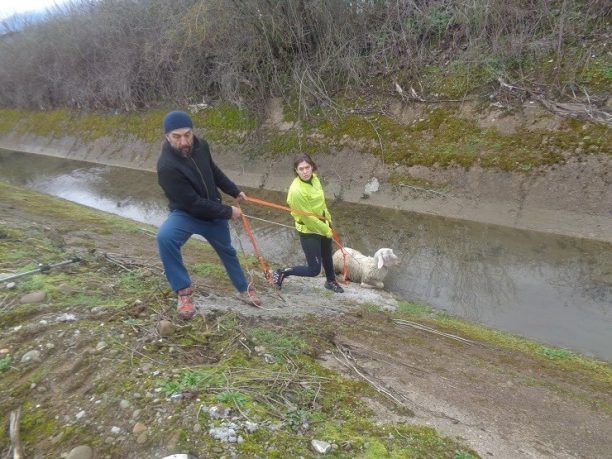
{"x":191,"y":181}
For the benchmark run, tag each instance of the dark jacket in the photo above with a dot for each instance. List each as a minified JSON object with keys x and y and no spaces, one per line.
{"x":192,"y":183}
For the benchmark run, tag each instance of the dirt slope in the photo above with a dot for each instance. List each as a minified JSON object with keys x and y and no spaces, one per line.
{"x":500,"y":401}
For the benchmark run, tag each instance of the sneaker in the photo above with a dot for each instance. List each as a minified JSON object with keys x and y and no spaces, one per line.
{"x":334,"y":287}
{"x":277,"y":278}
{"x":185,"y":308}
{"x":249,"y":297}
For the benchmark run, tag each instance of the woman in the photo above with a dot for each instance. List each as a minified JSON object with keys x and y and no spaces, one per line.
{"x":306,"y":195}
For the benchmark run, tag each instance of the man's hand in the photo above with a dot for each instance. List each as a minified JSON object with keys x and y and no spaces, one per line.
{"x":241,"y":196}
{"x":236,"y":213}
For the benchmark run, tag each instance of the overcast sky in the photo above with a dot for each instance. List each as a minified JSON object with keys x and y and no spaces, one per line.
{"x":10,"y":7}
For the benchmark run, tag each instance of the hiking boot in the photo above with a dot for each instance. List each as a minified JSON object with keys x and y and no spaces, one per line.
{"x":334,"y":287}
{"x":185,"y":308}
{"x":249,"y":297}
{"x":277,"y":278}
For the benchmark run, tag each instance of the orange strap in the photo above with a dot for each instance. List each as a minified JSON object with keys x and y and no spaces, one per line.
{"x":262,"y":261}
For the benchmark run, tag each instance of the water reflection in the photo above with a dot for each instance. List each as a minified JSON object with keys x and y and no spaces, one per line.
{"x":554,"y":289}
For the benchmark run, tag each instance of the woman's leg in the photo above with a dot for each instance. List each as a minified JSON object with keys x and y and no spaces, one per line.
{"x":326,"y":257}
{"x":311,"y":245}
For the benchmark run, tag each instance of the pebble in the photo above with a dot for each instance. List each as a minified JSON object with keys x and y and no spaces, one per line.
{"x":139,"y":428}
{"x":66,"y":317}
{"x":115,"y":429}
{"x":216,"y":412}
{"x":100,"y":346}
{"x":172,"y":442}
{"x":320,"y":446}
{"x":80,"y":414}
{"x":65,"y":289}
{"x":33,"y":297}
{"x":124,"y":404}
{"x":135,"y":414}
{"x":142,"y":438}
{"x":31,"y":356}
{"x":250,"y":426}
{"x":165,"y":328}
{"x":11,"y":285}
{"x":80,"y":452}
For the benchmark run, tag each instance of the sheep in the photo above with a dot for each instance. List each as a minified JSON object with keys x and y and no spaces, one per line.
{"x":369,"y":271}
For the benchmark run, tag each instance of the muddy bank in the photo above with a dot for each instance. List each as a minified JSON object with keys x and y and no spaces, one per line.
{"x":573,"y":199}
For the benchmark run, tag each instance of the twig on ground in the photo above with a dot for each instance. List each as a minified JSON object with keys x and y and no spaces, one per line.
{"x":376,"y":386}
{"x":433,"y":330}
{"x":16,"y":445}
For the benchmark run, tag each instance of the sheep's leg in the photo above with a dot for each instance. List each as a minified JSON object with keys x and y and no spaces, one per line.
{"x":365,"y":285}
{"x":377,"y":285}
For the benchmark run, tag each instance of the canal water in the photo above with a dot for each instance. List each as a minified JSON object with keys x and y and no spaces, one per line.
{"x":554,"y":289}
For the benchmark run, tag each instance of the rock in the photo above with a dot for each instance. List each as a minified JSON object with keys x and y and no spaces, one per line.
{"x":100,"y":346}
{"x":142,"y":438}
{"x":11,"y":285}
{"x":80,"y":414}
{"x":65,"y":317}
{"x":139,"y":428}
{"x":372,"y":186}
{"x":165,"y":328}
{"x":4,"y":351}
{"x":225,"y":433}
{"x":33,"y":297}
{"x":65,"y":289}
{"x":269,"y":358}
{"x":320,"y":446}
{"x":135,"y":414}
{"x":174,"y":439}
{"x":31,"y":356}
{"x":217,"y":413}
{"x":124,"y":404}
{"x":80,"y":452}
{"x":250,"y":426}
{"x":115,"y":429}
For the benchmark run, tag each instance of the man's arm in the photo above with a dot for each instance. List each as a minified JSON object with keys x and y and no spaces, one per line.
{"x":179,"y":191}
{"x":223,"y":182}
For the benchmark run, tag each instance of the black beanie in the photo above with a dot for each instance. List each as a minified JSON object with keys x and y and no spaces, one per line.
{"x":177,"y":120}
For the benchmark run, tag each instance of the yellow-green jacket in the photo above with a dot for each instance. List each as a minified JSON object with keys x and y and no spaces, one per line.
{"x":309,"y":197}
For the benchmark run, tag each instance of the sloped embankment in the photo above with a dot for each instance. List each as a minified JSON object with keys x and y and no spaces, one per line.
{"x":96,"y":359}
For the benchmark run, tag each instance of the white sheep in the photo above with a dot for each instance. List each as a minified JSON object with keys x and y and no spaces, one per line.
{"x":369,"y":271}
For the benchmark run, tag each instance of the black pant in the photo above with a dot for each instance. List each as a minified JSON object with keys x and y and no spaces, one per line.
{"x":318,"y":250}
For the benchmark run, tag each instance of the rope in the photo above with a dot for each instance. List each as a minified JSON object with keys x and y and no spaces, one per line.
{"x":262,"y":261}
{"x":268,"y":221}
{"x":264,"y":265}
{"x":252,"y":282}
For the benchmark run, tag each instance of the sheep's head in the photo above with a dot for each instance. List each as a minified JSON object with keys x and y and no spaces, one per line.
{"x":386,"y":257}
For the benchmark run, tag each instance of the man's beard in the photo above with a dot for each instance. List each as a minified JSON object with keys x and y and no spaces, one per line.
{"x":185,"y":151}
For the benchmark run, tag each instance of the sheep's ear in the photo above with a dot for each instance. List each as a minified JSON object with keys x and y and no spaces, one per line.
{"x":381,"y":261}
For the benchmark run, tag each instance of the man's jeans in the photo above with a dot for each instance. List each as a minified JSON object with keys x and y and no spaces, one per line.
{"x":179,"y":227}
